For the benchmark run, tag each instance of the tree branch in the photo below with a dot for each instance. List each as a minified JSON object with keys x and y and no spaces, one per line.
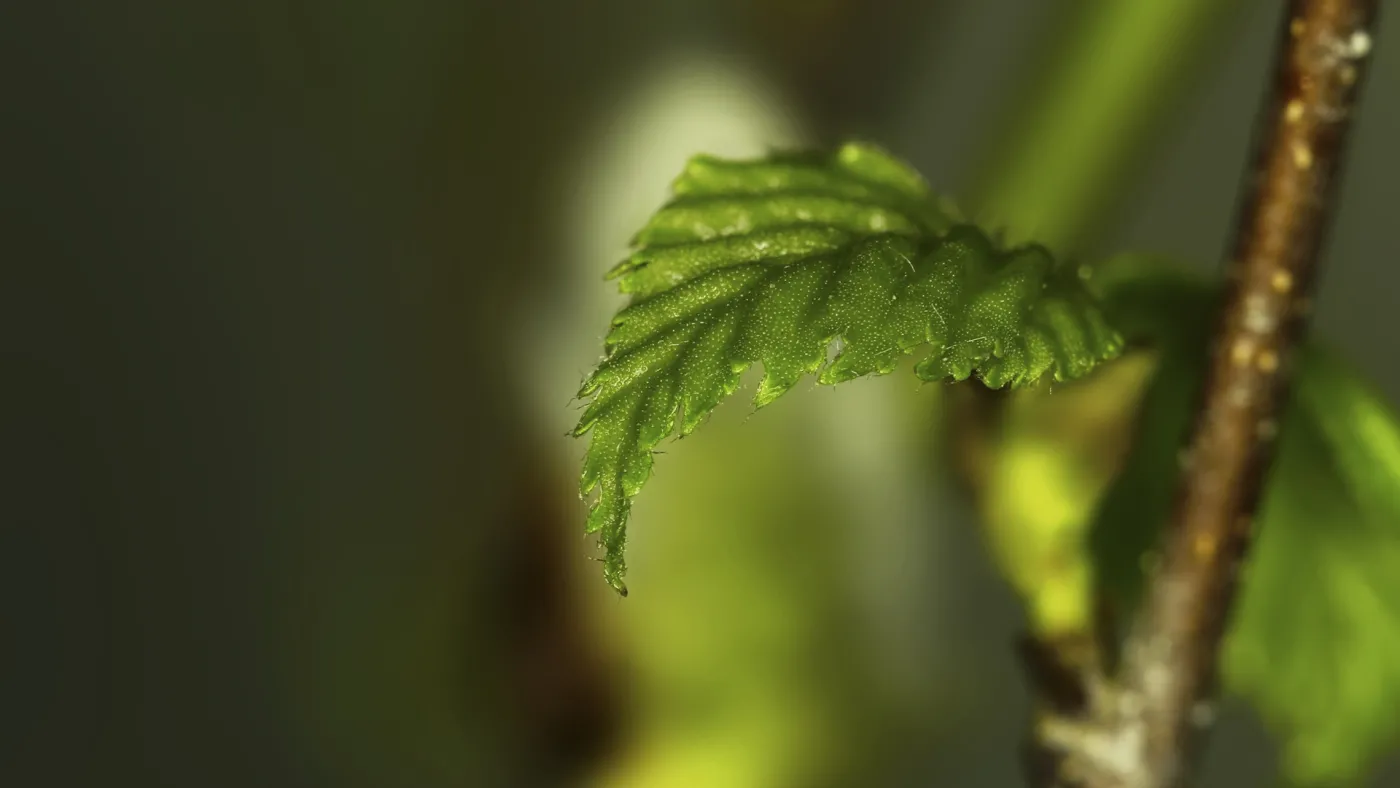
{"x":1142,"y":732}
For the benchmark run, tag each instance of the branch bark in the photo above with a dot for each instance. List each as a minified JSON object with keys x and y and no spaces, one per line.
{"x":1141,"y":731}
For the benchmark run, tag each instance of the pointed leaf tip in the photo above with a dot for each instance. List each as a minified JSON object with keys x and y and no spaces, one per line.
{"x":768,"y":262}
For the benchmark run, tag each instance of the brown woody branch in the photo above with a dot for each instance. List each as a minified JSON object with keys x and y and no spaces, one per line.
{"x":1142,"y":731}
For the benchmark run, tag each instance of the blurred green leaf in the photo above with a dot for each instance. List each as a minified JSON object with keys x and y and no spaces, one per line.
{"x":771,"y":261}
{"x":1055,"y":454}
{"x":752,"y":662}
{"x":1314,"y":642}
{"x":1161,"y":305}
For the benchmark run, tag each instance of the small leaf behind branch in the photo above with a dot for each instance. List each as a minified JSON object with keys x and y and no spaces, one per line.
{"x":771,"y":262}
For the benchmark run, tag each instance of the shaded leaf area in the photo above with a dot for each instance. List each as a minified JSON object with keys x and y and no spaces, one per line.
{"x":1052,"y":456}
{"x":1314,"y":642}
{"x":771,"y":262}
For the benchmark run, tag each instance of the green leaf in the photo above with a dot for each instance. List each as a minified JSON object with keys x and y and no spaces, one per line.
{"x":1160,"y":305}
{"x":1314,"y":641}
{"x":771,"y":262}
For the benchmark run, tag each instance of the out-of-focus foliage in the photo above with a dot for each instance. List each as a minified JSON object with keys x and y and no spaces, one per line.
{"x":752,"y":661}
{"x":1165,"y":308}
{"x":770,"y":261}
{"x":1315,"y":638}
{"x":1055,"y":450}
{"x":1105,"y":91}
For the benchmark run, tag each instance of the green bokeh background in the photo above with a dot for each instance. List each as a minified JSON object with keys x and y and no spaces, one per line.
{"x":303,"y":289}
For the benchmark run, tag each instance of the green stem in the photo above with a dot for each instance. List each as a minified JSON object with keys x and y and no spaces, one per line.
{"x":1113,"y":76}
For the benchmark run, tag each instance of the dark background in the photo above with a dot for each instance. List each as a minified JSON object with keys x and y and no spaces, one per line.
{"x":269,"y":416}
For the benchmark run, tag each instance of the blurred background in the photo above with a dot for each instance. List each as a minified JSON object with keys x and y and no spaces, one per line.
{"x":305,"y":288}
